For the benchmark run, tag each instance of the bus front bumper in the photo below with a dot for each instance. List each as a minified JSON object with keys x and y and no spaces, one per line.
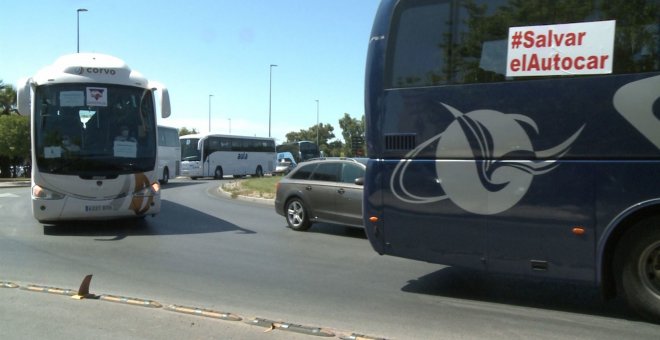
{"x":72,"y":208}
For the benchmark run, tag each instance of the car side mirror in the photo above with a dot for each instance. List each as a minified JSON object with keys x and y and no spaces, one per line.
{"x":359,"y":181}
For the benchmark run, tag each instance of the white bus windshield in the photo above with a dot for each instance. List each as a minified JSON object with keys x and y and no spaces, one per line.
{"x":94,"y":129}
{"x":190,"y":150}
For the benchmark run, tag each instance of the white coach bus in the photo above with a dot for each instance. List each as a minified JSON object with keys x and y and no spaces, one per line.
{"x":94,"y":147}
{"x":169,"y":153}
{"x":213,"y":155}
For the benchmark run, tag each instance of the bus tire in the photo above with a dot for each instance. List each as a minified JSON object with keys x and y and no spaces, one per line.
{"x":296,"y":215}
{"x":637,"y":264}
{"x":166,"y":177}
{"x":218,"y":173}
{"x":259,"y":172}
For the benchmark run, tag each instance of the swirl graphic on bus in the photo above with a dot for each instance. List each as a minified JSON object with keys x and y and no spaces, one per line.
{"x":488,"y":183}
{"x":636,"y":102}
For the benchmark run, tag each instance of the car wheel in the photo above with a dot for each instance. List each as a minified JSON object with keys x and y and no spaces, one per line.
{"x":218,"y":173}
{"x":166,"y":177}
{"x":296,"y":215}
{"x":638,"y":268}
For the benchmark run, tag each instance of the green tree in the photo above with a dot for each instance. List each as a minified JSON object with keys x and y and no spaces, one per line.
{"x":184,"y":131}
{"x":325,"y":134}
{"x":14,"y":141}
{"x":352,"y":130}
{"x":10,"y":148}
{"x":333,"y":149}
{"x":7,"y":99}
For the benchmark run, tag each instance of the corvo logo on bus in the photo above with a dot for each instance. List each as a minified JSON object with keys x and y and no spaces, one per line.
{"x":96,"y":70}
{"x":242,"y":155}
{"x":488,"y":183}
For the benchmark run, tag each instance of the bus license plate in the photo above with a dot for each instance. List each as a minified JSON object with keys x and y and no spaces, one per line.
{"x":97,"y":208}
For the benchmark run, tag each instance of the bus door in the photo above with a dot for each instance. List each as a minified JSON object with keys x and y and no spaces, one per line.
{"x":206,"y":161}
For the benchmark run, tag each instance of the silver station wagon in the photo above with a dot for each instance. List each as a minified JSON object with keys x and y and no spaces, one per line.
{"x":324,"y":190}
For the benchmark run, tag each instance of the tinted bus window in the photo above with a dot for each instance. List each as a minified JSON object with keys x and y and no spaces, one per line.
{"x":449,"y":42}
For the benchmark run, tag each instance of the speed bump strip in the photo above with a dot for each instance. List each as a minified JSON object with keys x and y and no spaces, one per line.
{"x":204,"y":312}
{"x":131,"y":301}
{"x":5,"y":284}
{"x":271,"y":325}
{"x":360,"y":337}
{"x":50,"y":290}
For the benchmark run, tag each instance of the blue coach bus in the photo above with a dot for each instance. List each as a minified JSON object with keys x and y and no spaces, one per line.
{"x":518,"y":137}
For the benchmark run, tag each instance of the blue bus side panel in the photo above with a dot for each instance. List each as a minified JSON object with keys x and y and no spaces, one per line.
{"x":508,"y":208}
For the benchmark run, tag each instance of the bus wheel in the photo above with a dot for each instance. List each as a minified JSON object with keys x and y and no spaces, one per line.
{"x":638,"y":265}
{"x":166,"y":177}
{"x":259,"y":172}
{"x":296,"y":215}
{"x":218,"y":173}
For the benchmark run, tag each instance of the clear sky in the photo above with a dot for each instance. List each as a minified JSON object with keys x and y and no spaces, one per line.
{"x":219,"y":47}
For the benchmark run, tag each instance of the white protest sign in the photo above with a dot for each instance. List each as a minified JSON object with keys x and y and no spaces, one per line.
{"x":566,"y":49}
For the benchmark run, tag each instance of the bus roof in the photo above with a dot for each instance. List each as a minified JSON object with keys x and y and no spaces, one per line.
{"x":205,"y":135}
{"x":92,"y":68}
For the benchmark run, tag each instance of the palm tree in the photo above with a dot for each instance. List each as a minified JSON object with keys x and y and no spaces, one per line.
{"x":7,"y":99}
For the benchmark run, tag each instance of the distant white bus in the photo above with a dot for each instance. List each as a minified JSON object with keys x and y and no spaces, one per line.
{"x":213,"y":155}
{"x":169,"y":153}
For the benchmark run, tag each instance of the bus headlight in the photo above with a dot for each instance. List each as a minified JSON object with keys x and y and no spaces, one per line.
{"x":45,"y":194}
{"x":152,"y":190}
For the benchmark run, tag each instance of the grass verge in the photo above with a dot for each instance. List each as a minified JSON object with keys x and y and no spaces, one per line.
{"x":263,"y":187}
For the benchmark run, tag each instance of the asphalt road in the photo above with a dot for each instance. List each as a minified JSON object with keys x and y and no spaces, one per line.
{"x":216,"y":253}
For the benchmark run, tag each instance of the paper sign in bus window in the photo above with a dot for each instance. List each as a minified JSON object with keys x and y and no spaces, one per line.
{"x":566,"y":49}
{"x":53,"y":152}
{"x":97,"y":96}
{"x":125,"y":149}
{"x":72,"y":98}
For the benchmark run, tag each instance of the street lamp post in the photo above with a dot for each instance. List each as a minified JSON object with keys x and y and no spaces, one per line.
{"x":270,"y":95}
{"x":78,"y":27}
{"x":210,"y":95}
{"x":229,"y":125}
{"x":317,"y":122}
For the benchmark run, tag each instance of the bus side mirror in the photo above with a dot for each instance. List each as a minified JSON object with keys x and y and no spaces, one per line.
{"x":359,"y":181}
{"x":165,"y":109}
{"x":23,"y":96}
